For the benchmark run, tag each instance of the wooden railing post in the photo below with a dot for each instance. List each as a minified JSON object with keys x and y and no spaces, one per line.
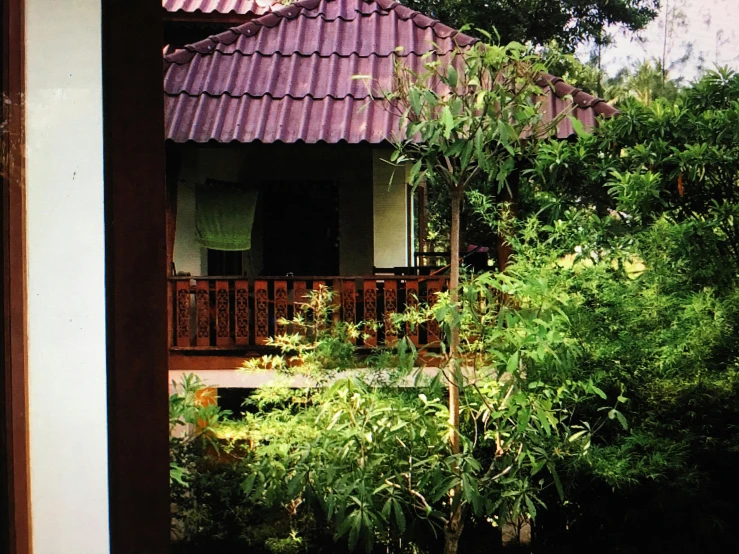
{"x":411,"y":301}
{"x":241,"y":319}
{"x":280,"y":306}
{"x":223,"y":315}
{"x":182,"y":313}
{"x":370,"y":312}
{"x":202,"y":306}
{"x":349,"y":302}
{"x":433,"y":329}
{"x":390,"y":296}
{"x":261,"y":312}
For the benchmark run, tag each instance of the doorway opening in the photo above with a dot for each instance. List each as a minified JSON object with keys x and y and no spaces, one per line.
{"x":301,"y":228}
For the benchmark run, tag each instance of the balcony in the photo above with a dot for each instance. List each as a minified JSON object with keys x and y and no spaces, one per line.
{"x":237,"y":315}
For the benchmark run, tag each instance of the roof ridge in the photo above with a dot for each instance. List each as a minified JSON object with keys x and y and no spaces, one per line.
{"x":271,"y":95}
{"x":252,"y":28}
{"x":217,"y":6}
{"x":581,"y":98}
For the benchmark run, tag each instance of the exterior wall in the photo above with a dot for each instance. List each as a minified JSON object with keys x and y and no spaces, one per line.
{"x":391,"y":225}
{"x":66,"y":278}
{"x":349,"y":166}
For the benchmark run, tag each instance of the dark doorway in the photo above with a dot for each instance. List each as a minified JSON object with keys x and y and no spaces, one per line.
{"x":223,"y":263}
{"x":301,"y":228}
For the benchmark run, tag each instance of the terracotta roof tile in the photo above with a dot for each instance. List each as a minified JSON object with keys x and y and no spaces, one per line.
{"x":240,"y":7}
{"x":287,"y":76}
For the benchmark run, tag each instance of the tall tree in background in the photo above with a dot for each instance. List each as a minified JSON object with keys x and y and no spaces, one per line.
{"x":569,"y":22}
{"x":465,"y":122}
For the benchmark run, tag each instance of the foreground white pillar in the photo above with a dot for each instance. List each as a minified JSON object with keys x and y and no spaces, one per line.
{"x":66,"y":273}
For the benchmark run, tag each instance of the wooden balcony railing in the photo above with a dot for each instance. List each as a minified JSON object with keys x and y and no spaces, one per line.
{"x":234,"y":313}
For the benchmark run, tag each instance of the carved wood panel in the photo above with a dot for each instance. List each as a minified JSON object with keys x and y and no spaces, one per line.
{"x":336,"y":288}
{"x":241,"y":317}
{"x":349,"y":302}
{"x":261,"y":312}
{"x":281,"y":302}
{"x":390,"y":294}
{"x":370,"y":312}
{"x":223,"y":315}
{"x":433,"y":328}
{"x":411,"y":301}
{"x":183,"y":313}
{"x":202,"y":304}
{"x":300,"y":293}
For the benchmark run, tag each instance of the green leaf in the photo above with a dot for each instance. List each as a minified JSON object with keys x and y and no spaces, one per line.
{"x":452,"y":76}
{"x":414,"y":99}
{"x":399,"y":516}
{"x":557,"y":482}
{"x":447,"y":119}
{"x":599,"y":392}
{"x":578,"y":127}
{"x":577,"y":435}
{"x":248,"y":484}
{"x":355,"y":529}
{"x":512,"y":364}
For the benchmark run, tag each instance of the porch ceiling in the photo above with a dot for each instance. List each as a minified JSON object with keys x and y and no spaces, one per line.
{"x":287,"y":76}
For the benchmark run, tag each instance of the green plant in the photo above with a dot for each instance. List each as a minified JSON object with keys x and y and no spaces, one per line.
{"x":376,"y":461}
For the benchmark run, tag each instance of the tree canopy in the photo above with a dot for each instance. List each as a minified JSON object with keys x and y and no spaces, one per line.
{"x":569,"y":22}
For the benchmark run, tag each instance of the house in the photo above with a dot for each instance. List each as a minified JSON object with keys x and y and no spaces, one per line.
{"x":84,"y":460}
{"x":277,"y":173}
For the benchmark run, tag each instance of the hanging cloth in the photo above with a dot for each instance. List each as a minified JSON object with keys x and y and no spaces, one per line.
{"x":224,"y":215}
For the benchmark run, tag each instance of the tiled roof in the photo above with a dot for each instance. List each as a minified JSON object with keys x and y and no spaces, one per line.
{"x":239,"y":7}
{"x":287,"y":76}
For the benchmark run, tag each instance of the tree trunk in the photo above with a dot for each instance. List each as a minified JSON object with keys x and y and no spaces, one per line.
{"x":453,"y":529}
{"x":456,"y":198}
{"x":452,"y":533}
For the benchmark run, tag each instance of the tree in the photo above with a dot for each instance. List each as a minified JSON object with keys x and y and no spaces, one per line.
{"x":569,"y":22}
{"x":465,"y":122}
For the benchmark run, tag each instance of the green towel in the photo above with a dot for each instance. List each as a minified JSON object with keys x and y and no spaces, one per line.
{"x":224,"y":215}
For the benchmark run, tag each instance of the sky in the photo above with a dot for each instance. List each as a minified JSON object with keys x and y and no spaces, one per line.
{"x":708,"y":30}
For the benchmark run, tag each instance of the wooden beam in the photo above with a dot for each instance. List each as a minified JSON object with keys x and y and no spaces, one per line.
{"x":135,"y":197}
{"x":15,"y":524}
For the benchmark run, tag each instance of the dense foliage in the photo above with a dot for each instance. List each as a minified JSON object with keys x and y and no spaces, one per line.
{"x":635,"y":228}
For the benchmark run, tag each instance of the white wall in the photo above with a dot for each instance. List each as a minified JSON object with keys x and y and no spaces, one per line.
{"x":188,"y":255}
{"x":390,"y":212}
{"x":66,"y":296}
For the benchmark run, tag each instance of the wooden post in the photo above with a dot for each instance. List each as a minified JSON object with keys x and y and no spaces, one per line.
{"x":15,"y":522}
{"x":136,"y":267}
